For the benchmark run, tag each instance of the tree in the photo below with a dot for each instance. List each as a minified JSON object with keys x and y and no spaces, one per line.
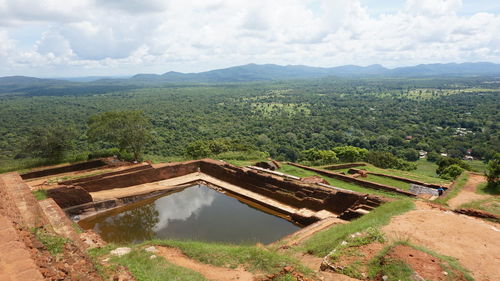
{"x":128,"y":130}
{"x":319,"y":157}
{"x":350,"y":153}
{"x":198,"y":149}
{"x":451,"y":172}
{"x":493,"y":172}
{"x":51,"y":142}
{"x":445,"y":162}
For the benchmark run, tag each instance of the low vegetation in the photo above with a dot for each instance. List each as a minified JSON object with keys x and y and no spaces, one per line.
{"x":453,"y":191}
{"x":40,"y":194}
{"x":145,"y":268}
{"x":52,"y":242}
{"x":254,"y":258}
{"x":322,"y":243}
{"x":396,"y":269}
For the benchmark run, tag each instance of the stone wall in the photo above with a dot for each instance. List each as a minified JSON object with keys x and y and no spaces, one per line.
{"x":65,"y":169}
{"x":344,"y":166}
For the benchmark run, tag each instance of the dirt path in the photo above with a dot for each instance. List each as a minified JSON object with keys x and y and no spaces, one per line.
{"x":314,"y":262}
{"x":474,"y":242}
{"x":468,"y":192}
{"x":176,"y":257}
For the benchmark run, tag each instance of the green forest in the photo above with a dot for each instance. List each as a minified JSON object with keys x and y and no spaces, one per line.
{"x":456,"y":116}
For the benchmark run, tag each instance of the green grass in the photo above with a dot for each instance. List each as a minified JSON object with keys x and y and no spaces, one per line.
{"x":157,"y":269}
{"x":323,"y":242}
{"x":490,"y":205}
{"x":487,"y":189}
{"x":40,"y":194}
{"x":388,"y":181}
{"x":299,"y":172}
{"x":477,"y":166}
{"x":454,"y":190}
{"x":425,"y":172}
{"x":254,"y":258}
{"x":25,"y":165}
{"x":53,"y":243}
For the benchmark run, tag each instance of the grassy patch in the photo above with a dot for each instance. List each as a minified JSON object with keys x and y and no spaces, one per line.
{"x":322,"y":243}
{"x":491,"y":205}
{"x":426,"y":172}
{"x":477,"y":166}
{"x":254,"y":258}
{"x":157,"y":269}
{"x":388,"y":181}
{"x":40,"y":194}
{"x":454,"y":190}
{"x":53,"y":243}
{"x":299,"y":172}
{"x":398,"y":270}
{"x":487,"y":189}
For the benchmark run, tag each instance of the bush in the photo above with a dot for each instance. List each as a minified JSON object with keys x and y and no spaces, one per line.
{"x":433,"y":156}
{"x":387,"y":160}
{"x":319,"y":157}
{"x":445,"y":162}
{"x":493,"y":172}
{"x":350,"y":153}
{"x":452,"y":172}
{"x":104,"y":153}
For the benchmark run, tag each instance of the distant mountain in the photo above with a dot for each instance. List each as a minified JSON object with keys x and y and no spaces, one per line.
{"x":468,"y":68}
{"x":243,"y":73}
{"x":262,"y":72}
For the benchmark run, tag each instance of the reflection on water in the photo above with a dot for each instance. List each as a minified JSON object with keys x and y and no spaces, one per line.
{"x":197,"y":213}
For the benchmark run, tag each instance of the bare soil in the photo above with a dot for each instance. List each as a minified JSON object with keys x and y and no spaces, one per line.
{"x":474,"y":242}
{"x":176,"y":257}
{"x":426,"y":265}
{"x":468,"y":192}
{"x":314,"y":263}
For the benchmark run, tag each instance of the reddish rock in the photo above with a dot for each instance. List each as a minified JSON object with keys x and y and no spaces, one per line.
{"x":314,"y":179}
{"x":67,"y":196}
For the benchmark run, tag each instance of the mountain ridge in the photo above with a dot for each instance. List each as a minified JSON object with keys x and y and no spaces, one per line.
{"x":261,"y":72}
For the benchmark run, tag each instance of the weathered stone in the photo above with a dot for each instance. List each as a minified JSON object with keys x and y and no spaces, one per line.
{"x":120,"y":251}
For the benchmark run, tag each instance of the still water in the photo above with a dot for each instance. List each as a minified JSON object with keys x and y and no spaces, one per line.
{"x":195,"y":213}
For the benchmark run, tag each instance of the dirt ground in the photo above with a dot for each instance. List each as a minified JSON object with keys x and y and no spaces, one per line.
{"x":468,"y":192}
{"x":474,"y":242}
{"x":314,"y":263}
{"x":210,"y":272}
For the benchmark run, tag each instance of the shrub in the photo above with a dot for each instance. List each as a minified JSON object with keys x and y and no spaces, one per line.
{"x":452,"y":172}
{"x":445,"y":162}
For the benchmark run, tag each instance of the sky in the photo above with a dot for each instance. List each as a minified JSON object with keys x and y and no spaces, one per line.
{"x":70,"y":38}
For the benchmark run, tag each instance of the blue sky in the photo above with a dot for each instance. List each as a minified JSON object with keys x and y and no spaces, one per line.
{"x":56,"y":38}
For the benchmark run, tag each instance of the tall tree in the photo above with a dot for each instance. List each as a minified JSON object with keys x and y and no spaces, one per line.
{"x":51,"y":142}
{"x":128,"y":130}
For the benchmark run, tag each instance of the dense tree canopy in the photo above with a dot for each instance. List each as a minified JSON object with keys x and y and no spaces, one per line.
{"x":397,"y":116}
{"x":128,"y":130}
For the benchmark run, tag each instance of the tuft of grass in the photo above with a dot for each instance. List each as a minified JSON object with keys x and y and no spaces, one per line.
{"x":454,"y":189}
{"x":253,"y":257}
{"x":40,"y":194}
{"x":53,"y":243}
{"x":322,"y":243}
{"x":145,"y":268}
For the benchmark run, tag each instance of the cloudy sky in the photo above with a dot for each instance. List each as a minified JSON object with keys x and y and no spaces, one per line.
{"x":64,"y":38}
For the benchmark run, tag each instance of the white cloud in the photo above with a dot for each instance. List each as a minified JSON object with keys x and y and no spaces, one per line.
{"x":95,"y":36}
